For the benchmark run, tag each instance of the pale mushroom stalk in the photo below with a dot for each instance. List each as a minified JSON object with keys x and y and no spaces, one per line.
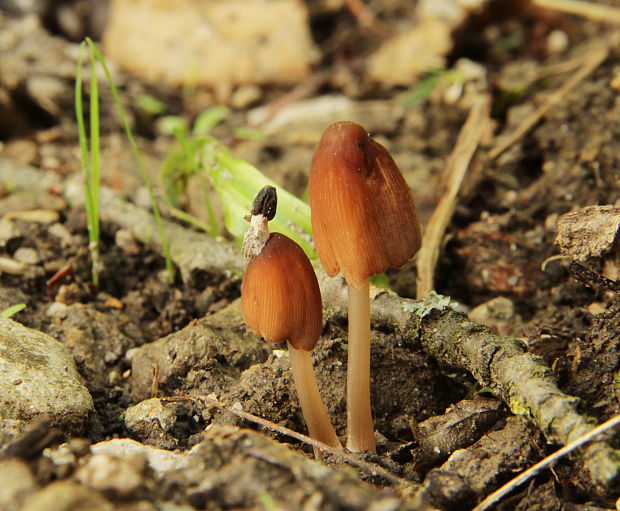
{"x":312,"y":407}
{"x":363,"y":221}
{"x":281,"y":301}
{"x":360,"y":432}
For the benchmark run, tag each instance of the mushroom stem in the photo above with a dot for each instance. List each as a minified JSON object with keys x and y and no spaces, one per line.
{"x":360,"y":427}
{"x":312,"y":407}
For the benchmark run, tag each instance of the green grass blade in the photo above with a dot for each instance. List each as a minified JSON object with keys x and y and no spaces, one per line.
{"x":423,"y":89}
{"x":12,"y":310}
{"x":95,"y":168}
{"x":136,"y":153}
{"x":150,"y":106}
{"x":191,"y":220}
{"x":91,"y":202}
{"x":79,"y":113}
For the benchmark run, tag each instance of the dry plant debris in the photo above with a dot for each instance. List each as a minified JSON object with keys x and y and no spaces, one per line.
{"x":457,"y":166}
{"x":592,"y":60}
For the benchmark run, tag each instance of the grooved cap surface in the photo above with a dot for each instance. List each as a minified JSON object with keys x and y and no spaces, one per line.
{"x":363,"y":215}
{"x":280,"y":295}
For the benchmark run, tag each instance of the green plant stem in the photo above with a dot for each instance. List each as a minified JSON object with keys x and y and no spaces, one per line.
{"x":12,"y":310}
{"x":136,"y":153}
{"x":360,"y":427}
{"x":95,"y":170}
{"x":90,"y":160}
{"x":312,"y":406}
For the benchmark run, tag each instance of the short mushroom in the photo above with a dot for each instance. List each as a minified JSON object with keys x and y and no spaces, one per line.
{"x":281,"y":301}
{"x":363,"y":220}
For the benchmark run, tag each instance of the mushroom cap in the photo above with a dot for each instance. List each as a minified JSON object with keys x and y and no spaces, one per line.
{"x":280,"y":295}
{"x":363,"y":215}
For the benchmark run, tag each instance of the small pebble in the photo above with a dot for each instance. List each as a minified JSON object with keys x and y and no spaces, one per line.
{"x":551,"y":221}
{"x":8,"y":265}
{"x":114,"y":303}
{"x":57,"y":310}
{"x":557,"y":42}
{"x":142,"y":198}
{"x":127,"y":374}
{"x":113,"y":377}
{"x":615,"y":80}
{"x":130,"y":353}
{"x":69,"y":294}
{"x":26,"y":255}
{"x":113,"y":475}
{"x":59,"y":231}
{"x":110,"y":357}
{"x":40,"y":216}
{"x":149,"y":410}
{"x":280,"y":353}
{"x":246,"y":96}
{"x":16,"y":381}
{"x":596,"y":308}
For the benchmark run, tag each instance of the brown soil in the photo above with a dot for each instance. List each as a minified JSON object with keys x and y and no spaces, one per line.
{"x":502,"y":231}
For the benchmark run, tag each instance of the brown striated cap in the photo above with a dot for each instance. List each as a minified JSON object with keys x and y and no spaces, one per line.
{"x":363,"y":216}
{"x":280,"y":295}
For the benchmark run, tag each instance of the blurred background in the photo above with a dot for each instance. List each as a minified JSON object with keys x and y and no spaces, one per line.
{"x":265,"y":77}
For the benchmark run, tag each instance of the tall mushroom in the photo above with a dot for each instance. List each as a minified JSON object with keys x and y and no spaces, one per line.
{"x":281,"y":301}
{"x":363,"y":220}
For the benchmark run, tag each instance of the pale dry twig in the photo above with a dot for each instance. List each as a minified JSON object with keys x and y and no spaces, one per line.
{"x":348,"y":458}
{"x":547,"y":462}
{"x":458,"y":163}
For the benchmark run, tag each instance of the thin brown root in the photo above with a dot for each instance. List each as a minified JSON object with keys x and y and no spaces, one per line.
{"x":351,"y":459}
{"x":458,"y":163}
{"x":589,"y":10}
{"x":596,"y":58}
{"x":549,"y":460}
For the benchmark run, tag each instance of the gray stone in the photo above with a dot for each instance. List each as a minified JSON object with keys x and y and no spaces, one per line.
{"x":497,"y":313}
{"x":588,"y":232}
{"x":248,"y":41}
{"x":159,"y":460}
{"x":26,"y":255}
{"x":205,"y":356}
{"x":112,"y":475}
{"x":60,"y":231}
{"x":49,"y":381}
{"x":67,"y":496}
{"x":151,"y":421}
{"x":57,"y":310}
{"x":17,"y":482}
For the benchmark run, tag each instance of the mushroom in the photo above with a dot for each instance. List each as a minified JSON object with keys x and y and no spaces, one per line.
{"x":281,"y":301}
{"x":363,"y":220}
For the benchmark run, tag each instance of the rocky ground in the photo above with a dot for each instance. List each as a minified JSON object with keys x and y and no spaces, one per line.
{"x":135,"y":394}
